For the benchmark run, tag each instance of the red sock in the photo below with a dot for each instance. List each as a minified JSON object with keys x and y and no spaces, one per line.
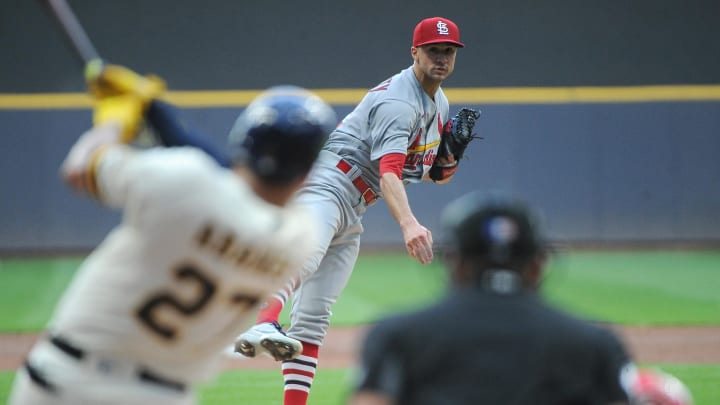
{"x":299,"y":374}
{"x":270,"y":311}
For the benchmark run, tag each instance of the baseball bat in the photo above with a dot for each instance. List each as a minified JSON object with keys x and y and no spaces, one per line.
{"x":74,"y":32}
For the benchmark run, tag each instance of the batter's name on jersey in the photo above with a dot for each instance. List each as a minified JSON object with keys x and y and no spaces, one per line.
{"x":245,"y":255}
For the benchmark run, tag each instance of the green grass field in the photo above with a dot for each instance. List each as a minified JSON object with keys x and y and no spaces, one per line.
{"x":650,"y":288}
{"x":263,"y":387}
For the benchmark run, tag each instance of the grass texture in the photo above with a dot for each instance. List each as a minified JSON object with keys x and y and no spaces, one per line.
{"x":331,"y":387}
{"x":646,"y":287}
{"x":640,"y":288}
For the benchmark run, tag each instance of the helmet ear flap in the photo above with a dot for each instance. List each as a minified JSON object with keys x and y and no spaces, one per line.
{"x":280,"y":133}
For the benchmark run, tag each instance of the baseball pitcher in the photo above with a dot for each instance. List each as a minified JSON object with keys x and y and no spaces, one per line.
{"x":400,"y":133}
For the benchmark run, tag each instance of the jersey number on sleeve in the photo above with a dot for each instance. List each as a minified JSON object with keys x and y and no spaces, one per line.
{"x":165,"y":301}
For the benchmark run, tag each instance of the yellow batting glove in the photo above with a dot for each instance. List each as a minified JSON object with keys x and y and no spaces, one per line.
{"x":124,"y":109}
{"x":108,"y":80}
{"x":122,"y":96}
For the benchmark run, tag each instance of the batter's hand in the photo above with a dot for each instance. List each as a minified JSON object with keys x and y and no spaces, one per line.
{"x":121,"y":96}
{"x":78,"y":168}
{"x":112,"y":80}
{"x":418,"y":242}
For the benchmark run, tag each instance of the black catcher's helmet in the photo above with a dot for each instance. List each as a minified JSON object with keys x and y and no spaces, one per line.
{"x":281,"y":132}
{"x":500,"y":231}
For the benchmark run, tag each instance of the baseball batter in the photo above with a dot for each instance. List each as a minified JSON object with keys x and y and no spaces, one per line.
{"x":151,"y":310}
{"x":391,"y":139}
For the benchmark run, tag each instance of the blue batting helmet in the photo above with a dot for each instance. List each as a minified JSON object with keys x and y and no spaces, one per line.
{"x":281,"y":132}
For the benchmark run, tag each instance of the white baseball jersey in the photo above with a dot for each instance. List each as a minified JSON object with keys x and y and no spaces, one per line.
{"x":176,"y":281}
{"x":396,"y":116}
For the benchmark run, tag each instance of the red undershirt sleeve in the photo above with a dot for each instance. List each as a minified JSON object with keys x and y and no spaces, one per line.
{"x":392,"y":163}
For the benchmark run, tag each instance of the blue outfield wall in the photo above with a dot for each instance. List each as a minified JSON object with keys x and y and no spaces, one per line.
{"x":602,"y":163}
{"x":597,"y":172}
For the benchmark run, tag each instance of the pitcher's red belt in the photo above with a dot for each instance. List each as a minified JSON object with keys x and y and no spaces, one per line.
{"x":368,"y":195}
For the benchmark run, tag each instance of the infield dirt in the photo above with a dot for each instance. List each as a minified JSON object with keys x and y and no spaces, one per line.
{"x":648,"y":344}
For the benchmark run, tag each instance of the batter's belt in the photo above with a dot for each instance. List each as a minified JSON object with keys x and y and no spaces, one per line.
{"x":72,"y":351}
{"x":368,"y":194}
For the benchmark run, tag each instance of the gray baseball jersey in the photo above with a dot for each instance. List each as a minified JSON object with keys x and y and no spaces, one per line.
{"x":173,"y":285}
{"x":396,"y":116}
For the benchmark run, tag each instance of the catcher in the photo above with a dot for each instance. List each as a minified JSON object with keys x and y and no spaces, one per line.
{"x":514,"y":348}
{"x":510,"y":346}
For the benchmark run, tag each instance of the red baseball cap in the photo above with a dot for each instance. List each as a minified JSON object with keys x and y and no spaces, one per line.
{"x":436,"y":30}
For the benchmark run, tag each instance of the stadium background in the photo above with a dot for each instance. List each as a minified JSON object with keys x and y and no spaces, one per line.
{"x":640,"y":165}
{"x":603,"y":114}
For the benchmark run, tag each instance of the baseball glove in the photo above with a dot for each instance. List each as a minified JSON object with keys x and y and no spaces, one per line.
{"x":456,"y":137}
